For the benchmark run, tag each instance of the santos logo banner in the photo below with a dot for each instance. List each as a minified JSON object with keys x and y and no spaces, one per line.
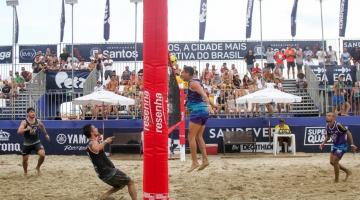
{"x":27,"y":53}
{"x":5,"y":54}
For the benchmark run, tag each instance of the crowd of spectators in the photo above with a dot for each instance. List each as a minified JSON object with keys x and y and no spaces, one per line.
{"x":13,"y":84}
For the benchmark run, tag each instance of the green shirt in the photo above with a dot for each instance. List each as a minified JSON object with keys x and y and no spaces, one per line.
{"x":19,"y":80}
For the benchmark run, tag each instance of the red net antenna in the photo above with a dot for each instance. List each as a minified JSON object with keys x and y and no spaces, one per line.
{"x":155,"y":119}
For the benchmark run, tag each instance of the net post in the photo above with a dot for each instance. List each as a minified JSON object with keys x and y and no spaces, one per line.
{"x":182,"y":123}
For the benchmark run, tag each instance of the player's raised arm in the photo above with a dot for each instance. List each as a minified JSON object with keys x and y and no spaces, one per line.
{"x":96,"y":146}
{"x":43,"y":130}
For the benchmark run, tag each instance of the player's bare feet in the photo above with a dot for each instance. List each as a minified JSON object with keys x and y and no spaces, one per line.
{"x":204,"y":165}
{"x":193,"y":167}
{"x":348,"y":173}
{"x":38,"y":171}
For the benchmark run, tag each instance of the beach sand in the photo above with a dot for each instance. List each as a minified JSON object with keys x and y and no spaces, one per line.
{"x":233,"y":178}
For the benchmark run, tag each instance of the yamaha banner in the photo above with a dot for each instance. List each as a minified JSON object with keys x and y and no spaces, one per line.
{"x":5,"y":54}
{"x":249,"y":11}
{"x":56,"y":80}
{"x":190,"y":50}
{"x":67,"y":138}
{"x":27,"y":53}
{"x":343,"y":17}
{"x":331,"y":73}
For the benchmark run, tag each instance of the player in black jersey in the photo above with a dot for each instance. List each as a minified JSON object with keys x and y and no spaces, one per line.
{"x":104,"y":168}
{"x":30,"y":128}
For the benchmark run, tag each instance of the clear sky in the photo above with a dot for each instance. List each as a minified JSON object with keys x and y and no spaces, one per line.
{"x":39,"y":20}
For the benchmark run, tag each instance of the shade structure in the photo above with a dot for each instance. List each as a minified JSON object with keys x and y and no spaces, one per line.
{"x":104,"y":98}
{"x":268,"y":95}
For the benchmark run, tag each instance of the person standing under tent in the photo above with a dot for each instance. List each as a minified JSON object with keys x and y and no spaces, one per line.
{"x":197,"y":104}
{"x":30,"y":128}
{"x":340,"y":137}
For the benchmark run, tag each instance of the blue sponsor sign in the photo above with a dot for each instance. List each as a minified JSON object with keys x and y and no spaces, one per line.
{"x":5,"y":54}
{"x":62,"y":79}
{"x":331,"y":73}
{"x":67,"y":137}
{"x":27,"y":53}
{"x":189,"y":50}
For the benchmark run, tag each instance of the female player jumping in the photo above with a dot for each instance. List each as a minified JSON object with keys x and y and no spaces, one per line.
{"x":197,"y":104}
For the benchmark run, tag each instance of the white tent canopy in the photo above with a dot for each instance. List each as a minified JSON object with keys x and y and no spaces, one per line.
{"x":268,"y":95}
{"x":104,"y":98}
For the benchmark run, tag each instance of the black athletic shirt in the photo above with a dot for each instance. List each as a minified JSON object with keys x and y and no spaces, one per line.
{"x":104,"y":168}
{"x":34,"y":137}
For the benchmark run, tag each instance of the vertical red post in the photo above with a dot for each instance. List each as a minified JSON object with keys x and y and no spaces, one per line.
{"x":155,"y":178}
{"x":182,"y":123}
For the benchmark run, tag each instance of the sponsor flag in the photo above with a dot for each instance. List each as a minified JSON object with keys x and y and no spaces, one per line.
{"x":62,"y":21}
{"x":249,"y":11}
{"x":202,"y":19}
{"x":343,"y":17}
{"x":107,"y":21}
{"x":293,"y":18}
{"x":16,"y":27}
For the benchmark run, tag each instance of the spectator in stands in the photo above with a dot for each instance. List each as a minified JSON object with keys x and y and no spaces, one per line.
{"x":6,"y":90}
{"x":256,"y":70}
{"x":98,"y":86}
{"x":278,"y":73}
{"x":268,"y":76}
{"x":58,"y":116}
{"x":308,"y":61}
{"x":125,"y":77}
{"x":236,"y":81}
{"x":283,"y":128}
{"x":108,"y":62}
{"x":26,"y":74}
{"x":321,"y":55}
{"x":221,"y":100}
{"x":290,"y":60}
{"x":270,"y":58}
{"x":222,"y":69}
{"x":82,"y":65}
{"x":345,"y":57}
{"x":301,"y":82}
{"x":299,"y":59}
{"x":99,"y":66}
{"x":308,"y":52}
{"x":226,"y":77}
{"x":249,"y":60}
{"x":19,"y":82}
{"x":39,"y":63}
{"x":206,"y":74}
{"x":332,"y":56}
{"x":10,"y":78}
{"x":355,"y":94}
{"x":92,"y":64}
{"x":338,"y":98}
{"x":64,"y":56}
{"x":217,"y":79}
{"x":233,"y":70}
{"x":113,"y":84}
{"x":356,"y":55}
{"x":242,"y":107}
{"x":213,"y":69}
{"x":279,"y":58}
{"x":246,"y":82}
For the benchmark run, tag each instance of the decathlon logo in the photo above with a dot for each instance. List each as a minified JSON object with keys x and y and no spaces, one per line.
{"x":5,"y":55}
{"x":27,"y":54}
{"x":63,"y":80}
{"x":4,"y":136}
{"x":61,"y":138}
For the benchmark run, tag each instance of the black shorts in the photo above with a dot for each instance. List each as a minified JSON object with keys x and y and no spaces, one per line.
{"x":290,"y":64}
{"x":271,"y":66}
{"x":27,"y":149}
{"x":299,"y":66}
{"x":119,"y":180}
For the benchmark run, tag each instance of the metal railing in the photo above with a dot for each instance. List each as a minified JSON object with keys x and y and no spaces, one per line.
{"x":90,"y":82}
{"x":313,"y":83}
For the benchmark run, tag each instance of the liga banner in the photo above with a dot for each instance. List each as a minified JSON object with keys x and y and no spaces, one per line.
{"x":231,"y":50}
{"x":5,"y":54}
{"x":27,"y":53}
{"x":331,"y":74}
{"x":56,"y":80}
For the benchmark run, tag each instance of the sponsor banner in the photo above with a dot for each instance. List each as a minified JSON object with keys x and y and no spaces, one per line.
{"x":27,"y":53}
{"x":67,"y":137}
{"x":5,"y":54}
{"x":351,"y":45}
{"x":190,"y":50}
{"x":62,"y":79}
{"x":331,"y":73}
